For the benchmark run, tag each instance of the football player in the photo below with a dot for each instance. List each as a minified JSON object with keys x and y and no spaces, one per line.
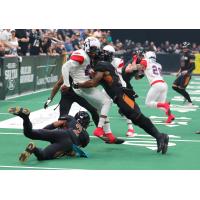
{"x":157,"y":94}
{"x":118,"y":63}
{"x":65,"y":134}
{"x":187,"y":65}
{"x":78,"y":67}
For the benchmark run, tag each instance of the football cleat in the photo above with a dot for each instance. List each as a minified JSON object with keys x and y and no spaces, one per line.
{"x":19,"y":111}
{"x":170,"y":119}
{"x":27,"y":153}
{"x":162,"y":143}
{"x":130,"y":133}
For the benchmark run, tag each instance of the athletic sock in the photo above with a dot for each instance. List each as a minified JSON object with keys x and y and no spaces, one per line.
{"x":129,"y":123}
{"x":102,"y":120}
{"x":183,"y":93}
{"x":106,"y":127}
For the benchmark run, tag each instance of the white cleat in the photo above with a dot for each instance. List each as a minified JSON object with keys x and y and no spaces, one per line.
{"x":130,"y":133}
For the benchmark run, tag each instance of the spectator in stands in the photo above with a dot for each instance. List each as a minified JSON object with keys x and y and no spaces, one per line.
{"x":46,"y":44}
{"x":60,"y":48}
{"x":2,"y":49}
{"x":23,"y":40}
{"x":4,"y":37}
{"x":109,"y":37}
{"x":75,"y":41}
{"x":35,"y":41}
{"x":68,"y":45}
{"x":13,"y":42}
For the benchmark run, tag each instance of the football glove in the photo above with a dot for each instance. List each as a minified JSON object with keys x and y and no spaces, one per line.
{"x":46,"y":104}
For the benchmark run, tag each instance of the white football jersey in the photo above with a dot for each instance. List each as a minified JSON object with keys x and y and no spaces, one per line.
{"x":76,"y":67}
{"x":152,"y":70}
{"x":118,"y":63}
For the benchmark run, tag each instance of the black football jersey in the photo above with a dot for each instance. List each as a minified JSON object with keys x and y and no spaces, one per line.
{"x":110,"y":82}
{"x":185,"y":61}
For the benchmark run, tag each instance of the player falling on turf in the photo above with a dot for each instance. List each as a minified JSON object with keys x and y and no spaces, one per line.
{"x":187,"y":65}
{"x":157,"y":94}
{"x":106,"y":75}
{"x":65,"y":135}
{"x":78,"y":68}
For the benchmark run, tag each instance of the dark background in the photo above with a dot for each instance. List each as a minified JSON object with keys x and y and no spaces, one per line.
{"x":157,"y":35}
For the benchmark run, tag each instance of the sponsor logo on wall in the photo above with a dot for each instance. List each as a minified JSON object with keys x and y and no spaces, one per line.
{"x":11,"y":74}
{"x":26,"y":75}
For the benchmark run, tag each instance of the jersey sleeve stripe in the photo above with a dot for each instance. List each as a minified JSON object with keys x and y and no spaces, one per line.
{"x":77,"y":58}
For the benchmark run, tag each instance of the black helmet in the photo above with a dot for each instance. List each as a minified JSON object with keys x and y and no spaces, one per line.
{"x":186,"y":45}
{"x":82,"y":118}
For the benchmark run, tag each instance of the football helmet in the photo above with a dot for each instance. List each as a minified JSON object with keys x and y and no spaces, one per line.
{"x":108,"y":53}
{"x":82,"y":118}
{"x":186,"y":45}
{"x":92,"y":46}
{"x":150,"y":55}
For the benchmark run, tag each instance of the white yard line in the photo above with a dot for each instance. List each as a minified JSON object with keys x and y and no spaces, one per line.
{"x":27,"y":93}
{"x":40,"y":168}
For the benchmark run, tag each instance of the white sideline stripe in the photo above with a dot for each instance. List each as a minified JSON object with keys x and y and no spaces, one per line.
{"x":27,"y":93}
{"x":27,"y":167}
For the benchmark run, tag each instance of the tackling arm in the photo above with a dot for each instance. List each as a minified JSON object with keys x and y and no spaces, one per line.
{"x":93,"y":82}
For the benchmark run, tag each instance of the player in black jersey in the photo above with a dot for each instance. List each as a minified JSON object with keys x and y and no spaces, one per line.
{"x":68,"y":98}
{"x":138,"y":74}
{"x":187,"y":65}
{"x":108,"y":78}
{"x":65,"y":135}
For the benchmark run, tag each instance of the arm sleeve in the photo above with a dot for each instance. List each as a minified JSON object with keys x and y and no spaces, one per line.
{"x":65,"y":73}
{"x":192,"y":63}
{"x":49,"y":127}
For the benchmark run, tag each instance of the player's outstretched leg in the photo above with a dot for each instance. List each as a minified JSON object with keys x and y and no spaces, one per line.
{"x":27,"y":153}
{"x":21,"y":112}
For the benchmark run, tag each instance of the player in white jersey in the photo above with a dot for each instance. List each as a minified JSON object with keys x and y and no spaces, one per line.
{"x":118,"y":63}
{"x":78,"y":68}
{"x":157,"y":94}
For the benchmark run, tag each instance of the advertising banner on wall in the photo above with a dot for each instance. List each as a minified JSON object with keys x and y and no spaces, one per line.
{"x":11,"y":76}
{"x":197,"y":64}
{"x":47,"y":71}
{"x":27,"y":74}
{"x":2,"y":92}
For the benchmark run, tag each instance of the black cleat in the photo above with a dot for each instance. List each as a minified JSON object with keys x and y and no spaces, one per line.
{"x":27,"y":153}
{"x":162,"y":143}
{"x":197,"y":132}
{"x":21,"y":112}
{"x":116,"y":141}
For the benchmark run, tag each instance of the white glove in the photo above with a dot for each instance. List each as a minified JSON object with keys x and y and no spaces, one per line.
{"x":46,"y":104}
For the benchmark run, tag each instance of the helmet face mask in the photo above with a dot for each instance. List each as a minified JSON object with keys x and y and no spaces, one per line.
{"x":108,"y":53}
{"x":83,"y":119}
{"x":92,"y":46}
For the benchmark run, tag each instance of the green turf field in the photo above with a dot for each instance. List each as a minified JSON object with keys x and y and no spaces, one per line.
{"x":137,"y":153}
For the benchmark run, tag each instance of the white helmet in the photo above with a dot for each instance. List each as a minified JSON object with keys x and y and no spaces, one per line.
{"x":91,"y":42}
{"x":109,"y":48}
{"x":150,"y":55}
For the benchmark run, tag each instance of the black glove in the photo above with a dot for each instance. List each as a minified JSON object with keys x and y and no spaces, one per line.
{"x":46,"y":104}
{"x":75,"y":85}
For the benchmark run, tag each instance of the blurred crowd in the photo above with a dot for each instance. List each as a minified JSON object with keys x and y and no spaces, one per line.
{"x":25,"y":42}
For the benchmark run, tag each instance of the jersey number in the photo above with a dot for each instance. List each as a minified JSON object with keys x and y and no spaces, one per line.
{"x":156,"y":70}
